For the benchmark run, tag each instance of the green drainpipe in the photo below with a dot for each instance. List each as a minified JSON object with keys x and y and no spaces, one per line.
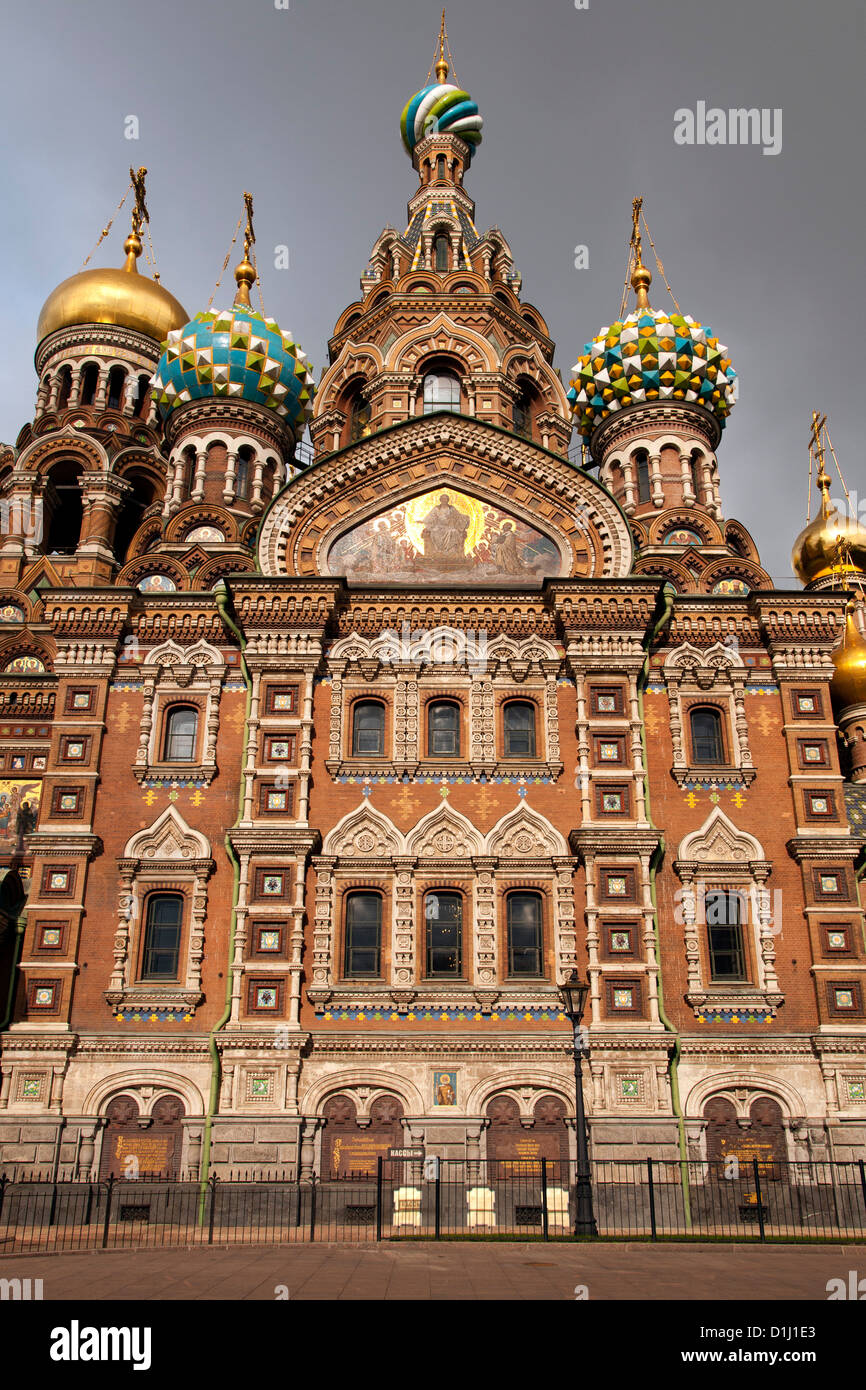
{"x":663,"y":620}
{"x":223,"y":603}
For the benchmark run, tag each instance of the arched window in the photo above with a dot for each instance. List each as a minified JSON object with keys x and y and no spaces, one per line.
{"x":134,"y":504}
{"x":707,"y":742}
{"x":65,"y":387}
{"x":368,"y":729}
{"x":162,"y":937}
{"x":443,"y":729}
{"x":696,"y":472}
{"x":519,"y":725}
{"x":643,"y":475}
{"x":89,"y":383}
{"x":242,"y":472}
{"x":440,"y":166}
{"x":116,"y":381}
{"x":66,"y":511}
{"x":139,"y":409}
{"x":363,"y":935}
{"x":521,"y":415}
{"x":359,"y":418}
{"x":441,"y":392}
{"x":181,"y":727}
{"x":724,"y":910}
{"x":523,"y":912}
{"x":442,"y":253}
{"x":443,"y":918}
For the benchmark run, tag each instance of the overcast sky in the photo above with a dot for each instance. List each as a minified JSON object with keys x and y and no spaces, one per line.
{"x":301,"y":106}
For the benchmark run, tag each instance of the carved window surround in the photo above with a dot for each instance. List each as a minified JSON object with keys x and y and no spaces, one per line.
{"x":446,"y":845}
{"x":167,"y":856}
{"x":178,"y":675}
{"x":718,"y":676}
{"x":718,"y":856}
{"x":406,"y":669}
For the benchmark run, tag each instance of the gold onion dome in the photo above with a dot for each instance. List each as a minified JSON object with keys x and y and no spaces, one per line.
{"x":849,"y":683}
{"x":117,"y":295}
{"x":832,"y":544}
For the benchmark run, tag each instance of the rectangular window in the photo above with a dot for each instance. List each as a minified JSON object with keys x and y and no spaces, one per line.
{"x":162,"y":937}
{"x":363,"y":935}
{"x":724,"y":910}
{"x":523,"y":913}
{"x":443,"y":917}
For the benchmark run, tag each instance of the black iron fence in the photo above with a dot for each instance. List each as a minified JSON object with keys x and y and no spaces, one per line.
{"x":416,"y":1200}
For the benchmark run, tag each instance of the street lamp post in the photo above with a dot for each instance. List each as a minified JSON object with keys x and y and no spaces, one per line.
{"x":574,"y":992}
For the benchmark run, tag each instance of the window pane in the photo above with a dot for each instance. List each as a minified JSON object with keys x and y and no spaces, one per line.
{"x":441,"y":392}
{"x":519,"y":730}
{"x":363,"y":933}
{"x":706,"y":736}
{"x":442,"y":248}
{"x":162,"y":937}
{"x":643,"y":478}
{"x":725,"y":911}
{"x":443,"y":913}
{"x":180,"y":736}
{"x":368,"y":729}
{"x":443,"y":730}
{"x":524,"y":934}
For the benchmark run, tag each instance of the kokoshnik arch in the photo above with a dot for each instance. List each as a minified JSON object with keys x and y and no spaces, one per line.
{"x":321,"y":767}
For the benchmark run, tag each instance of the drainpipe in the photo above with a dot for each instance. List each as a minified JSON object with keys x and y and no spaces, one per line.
{"x":658,"y":854}
{"x":223,"y":603}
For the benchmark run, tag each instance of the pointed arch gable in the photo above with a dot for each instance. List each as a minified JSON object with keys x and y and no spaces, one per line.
{"x":364,"y":833}
{"x":168,"y":838}
{"x":718,"y":840}
{"x":441,"y":335}
{"x":525,"y":834}
{"x":444,"y":833}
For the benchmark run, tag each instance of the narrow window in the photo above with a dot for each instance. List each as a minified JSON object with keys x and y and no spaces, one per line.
{"x":162,"y":937}
{"x":521,"y":415}
{"x":442,"y":253}
{"x":65,"y":387}
{"x":643,"y":476}
{"x":359,"y":418}
{"x":724,"y":913}
{"x":443,"y":916}
{"x":707,"y":745}
{"x":524,"y":933}
{"x":89,"y":383}
{"x":443,"y":729}
{"x":441,"y":392}
{"x":440,"y":166}
{"x":519,"y":729}
{"x":368,"y":729}
{"x":242,"y":472}
{"x":116,"y":381}
{"x":695,"y":471}
{"x":180,"y":731}
{"x":363,"y":934}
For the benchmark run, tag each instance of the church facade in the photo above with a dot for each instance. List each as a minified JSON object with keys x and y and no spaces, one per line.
{"x":322,"y":768}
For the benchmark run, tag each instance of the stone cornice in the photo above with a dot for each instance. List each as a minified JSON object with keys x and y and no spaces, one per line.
{"x":279,"y":840}
{"x":69,"y":842}
{"x":824,"y":847}
{"x":636,"y":420}
{"x":222,"y":412}
{"x":602,"y":839}
{"x":78,"y":339}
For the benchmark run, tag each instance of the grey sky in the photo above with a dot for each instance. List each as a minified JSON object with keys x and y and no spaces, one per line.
{"x":301,"y":106}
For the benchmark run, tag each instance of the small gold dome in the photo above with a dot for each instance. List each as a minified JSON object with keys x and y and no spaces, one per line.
{"x":831,"y":544}
{"x":849,"y":683}
{"x":113,"y":295}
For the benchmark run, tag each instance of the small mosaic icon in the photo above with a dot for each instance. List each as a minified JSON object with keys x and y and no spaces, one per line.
{"x":260,"y":1087}
{"x":40,"y":762}
{"x":266,"y":998}
{"x":81,"y":699}
{"x":75,"y":750}
{"x":844,"y":998}
{"x":269,"y":940}
{"x":608,"y":752}
{"x":857,"y":1091}
{"x":444,"y":1088}
{"x":277,"y":801}
{"x":820,"y":806}
{"x":606,"y":703}
{"x":43,"y":996}
{"x":620,"y":941}
{"x":282,"y":701}
{"x":279,"y":748}
{"x":51,"y":936}
{"x":812,"y":753}
{"x":58,"y":882}
{"x":68,"y":801}
{"x":273,"y":885}
{"x":837,"y":940}
{"x":623,"y":998}
{"x":829,"y":883}
{"x":31,"y":1088}
{"x":616,"y":886}
{"x":630,"y":1087}
{"x":806,"y":704}
{"x":611,"y":801}
{"x":17,"y":764}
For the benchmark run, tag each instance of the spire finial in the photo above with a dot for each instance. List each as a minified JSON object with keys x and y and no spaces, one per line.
{"x":641,"y":277}
{"x":441,"y":65}
{"x":133,"y":245}
{"x":822,"y":481}
{"x":245,"y":271}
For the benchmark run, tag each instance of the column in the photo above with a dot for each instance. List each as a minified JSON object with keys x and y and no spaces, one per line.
{"x":658,"y":492}
{"x":198,"y":481}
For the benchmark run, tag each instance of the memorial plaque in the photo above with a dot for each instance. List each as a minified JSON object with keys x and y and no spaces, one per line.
{"x":358,"y":1153}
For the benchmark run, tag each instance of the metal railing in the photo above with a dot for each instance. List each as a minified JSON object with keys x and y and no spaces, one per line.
{"x":408,"y":1199}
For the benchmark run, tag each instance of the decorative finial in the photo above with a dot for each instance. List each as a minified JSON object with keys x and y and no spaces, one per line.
{"x":133,"y":245}
{"x":641,"y":277}
{"x":245,"y":272}
{"x":441,"y":65}
{"x":822,"y":481}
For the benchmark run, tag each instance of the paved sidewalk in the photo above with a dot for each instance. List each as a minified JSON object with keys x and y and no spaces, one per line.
{"x":447,"y":1270}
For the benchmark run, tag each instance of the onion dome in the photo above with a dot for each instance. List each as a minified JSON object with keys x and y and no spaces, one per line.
{"x":440,"y":109}
{"x":235,"y":352}
{"x":651,"y":356}
{"x":830,"y":545}
{"x":117,"y":295}
{"x":849,"y":683}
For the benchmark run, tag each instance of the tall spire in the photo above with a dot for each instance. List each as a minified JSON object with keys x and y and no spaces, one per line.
{"x":245,"y":271}
{"x":441,"y":65}
{"x":641,"y":278}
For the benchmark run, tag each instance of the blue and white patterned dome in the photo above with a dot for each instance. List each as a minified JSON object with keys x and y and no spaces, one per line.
{"x":235,"y":353}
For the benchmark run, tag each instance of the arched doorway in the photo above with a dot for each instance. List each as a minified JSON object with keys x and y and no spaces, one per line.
{"x":515,"y":1147}
{"x":137,"y":1146}
{"x":761,"y":1137}
{"x":350,"y":1149}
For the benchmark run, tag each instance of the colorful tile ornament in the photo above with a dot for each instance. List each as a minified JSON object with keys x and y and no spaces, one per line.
{"x":234,"y":352}
{"x":159,"y":1015}
{"x":451,"y":1015}
{"x":650,"y":356}
{"x":729,"y":1015}
{"x":857,"y":1091}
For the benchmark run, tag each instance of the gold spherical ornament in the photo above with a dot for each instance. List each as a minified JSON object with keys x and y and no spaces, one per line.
{"x":849,"y":683}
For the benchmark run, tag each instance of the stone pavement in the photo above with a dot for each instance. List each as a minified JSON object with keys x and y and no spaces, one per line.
{"x":447,"y":1270}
